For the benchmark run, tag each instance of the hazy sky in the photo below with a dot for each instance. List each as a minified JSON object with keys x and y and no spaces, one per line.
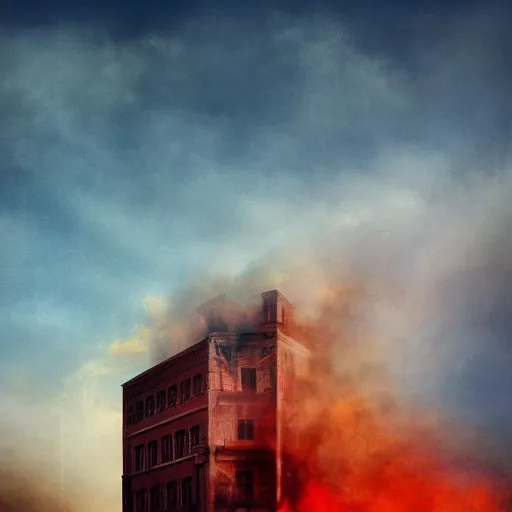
{"x":142,"y":146}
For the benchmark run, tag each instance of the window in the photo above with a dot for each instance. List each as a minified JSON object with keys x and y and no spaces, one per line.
{"x":246,"y":430}
{"x":181,"y":444}
{"x":163,"y":497}
{"x":129,"y":416}
{"x":197,"y":385}
{"x":160,"y":400}
{"x":226,"y":352}
{"x":195,"y":435}
{"x":172,"y":495}
{"x":185,"y":390}
{"x":150,"y":406}
{"x":172,"y":396}
{"x":139,"y":411}
{"x":244,"y":485}
{"x":140,"y":501}
{"x":166,"y":447}
{"x":248,"y":378}
{"x":154,"y":499}
{"x":138,"y":458}
{"x":152,"y":454}
{"x":186,"y":492}
{"x":266,"y":311}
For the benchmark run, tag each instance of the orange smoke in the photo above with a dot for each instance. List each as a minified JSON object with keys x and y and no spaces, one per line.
{"x":352,"y":445}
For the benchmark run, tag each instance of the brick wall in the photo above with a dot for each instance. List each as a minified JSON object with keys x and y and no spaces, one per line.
{"x":229,"y":403}
{"x":185,"y":414}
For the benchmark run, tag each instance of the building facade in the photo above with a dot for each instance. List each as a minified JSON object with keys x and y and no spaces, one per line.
{"x":203,"y":430}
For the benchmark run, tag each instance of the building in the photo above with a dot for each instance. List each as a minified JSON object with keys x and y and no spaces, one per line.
{"x":203,"y":430}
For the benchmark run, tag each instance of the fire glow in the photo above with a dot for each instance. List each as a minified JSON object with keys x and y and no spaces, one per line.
{"x":350,"y":447}
{"x":352,"y":464}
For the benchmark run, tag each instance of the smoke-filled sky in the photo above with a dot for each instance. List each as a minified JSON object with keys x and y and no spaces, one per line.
{"x":145,"y":148}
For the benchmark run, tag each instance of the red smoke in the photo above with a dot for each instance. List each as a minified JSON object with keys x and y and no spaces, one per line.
{"x":352,"y":445}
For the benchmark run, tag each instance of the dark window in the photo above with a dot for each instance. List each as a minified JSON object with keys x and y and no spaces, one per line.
{"x":163,"y":497}
{"x":181,"y":444}
{"x":244,"y":485}
{"x":185,"y":390}
{"x":140,"y":501}
{"x":195,"y":435}
{"x":138,"y":458}
{"x":172,"y":495}
{"x":172,"y":396}
{"x":197,"y":384}
{"x":186,"y":492}
{"x":139,"y":411}
{"x":166,"y":447}
{"x":154,"y":499}
{"x":150,"y":406}
{"x":129,"y":416}
{"x":160,"y":400}
{"x":266,"y":311}
{"x":248,"y":378}
{"x":246,"y":430}
{"x":152,"y":454}
{"x":226,"y":352}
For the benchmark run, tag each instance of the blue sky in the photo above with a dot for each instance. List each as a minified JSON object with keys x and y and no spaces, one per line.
{"x":145,"y":147}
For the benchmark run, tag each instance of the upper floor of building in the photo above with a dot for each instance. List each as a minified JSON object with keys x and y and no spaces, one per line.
{"x":171,"y":389}
{"x":238,"y":364}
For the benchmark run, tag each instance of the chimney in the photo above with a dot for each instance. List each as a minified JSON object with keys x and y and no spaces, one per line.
{"x":221,"y":314}
{"x":212,"y":313}
{"x":276,"y":308}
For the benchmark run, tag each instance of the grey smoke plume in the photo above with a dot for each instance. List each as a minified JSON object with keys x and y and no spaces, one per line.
{"x":433,"y":261}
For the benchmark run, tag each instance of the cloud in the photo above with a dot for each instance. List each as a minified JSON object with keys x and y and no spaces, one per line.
{"x":156,"y":307}
{"x":138,"y":343}
{"x":77,"y":426}
{"x":135,"y":345}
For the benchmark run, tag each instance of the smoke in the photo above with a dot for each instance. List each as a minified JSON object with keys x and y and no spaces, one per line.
{"x":413,"y":301}
{"x":353,"y":440}
{"x":433,"y":257}
{"x":407,"y":305}
{"x":63,"y":451}
{"x":25,"y":490}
